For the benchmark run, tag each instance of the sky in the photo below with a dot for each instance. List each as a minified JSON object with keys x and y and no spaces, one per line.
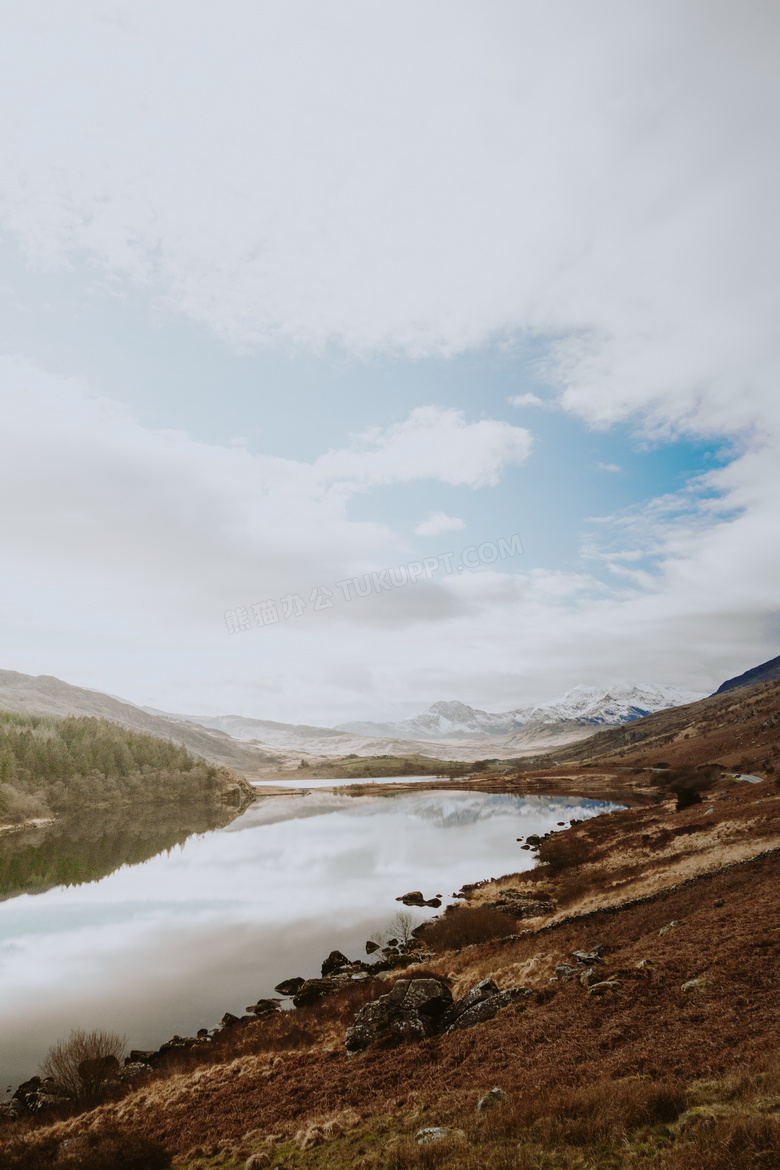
{"x":358,"y":356}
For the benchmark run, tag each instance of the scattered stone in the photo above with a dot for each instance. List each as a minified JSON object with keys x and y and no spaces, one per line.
{"x":487,"y":1009}
{"x":371,"y":946}
{"x":484,"y":990}
{"x":431,"y":1133}
{"x":494,"y":1096}
{"x":590,"y":976}
{"x":264,"y":1007}
{"x":414,"y":898}
{"x":289,"y":986}
{"x":608,"y":987}
{"x":670,"y":926}
{"x":334,"y":962}
{"x":590,"y":958}
{"x":314,"y":989}
{"x":565,"y":971}
{"x":693,"y":985}
{"x":645,"y":966}
{"x":227,"y":1021}
{"x":140,"y":1056}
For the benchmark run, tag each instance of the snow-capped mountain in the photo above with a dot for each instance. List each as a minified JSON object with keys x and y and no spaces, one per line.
{"x":620,"y":704}
{"x":441,"y":721}
{"x":581,"y":705}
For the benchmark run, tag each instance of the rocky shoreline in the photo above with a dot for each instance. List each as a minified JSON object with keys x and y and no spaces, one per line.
{"x":414,"y":1008}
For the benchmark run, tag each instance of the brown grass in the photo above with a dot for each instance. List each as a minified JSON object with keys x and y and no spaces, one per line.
{"x":463,"y":926}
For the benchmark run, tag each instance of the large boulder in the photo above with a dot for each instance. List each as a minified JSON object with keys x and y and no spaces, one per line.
{"x":264,"y":1007}
{"x":289,"y":986}
{"x":334,"y":962}
{"x":483,"y":990}
{"x":413,"y":1009}
{"x":313,"y":990}
{"x":486,"y":1009}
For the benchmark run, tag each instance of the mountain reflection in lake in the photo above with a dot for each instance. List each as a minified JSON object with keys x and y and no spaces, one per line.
{"x":169,"y":944}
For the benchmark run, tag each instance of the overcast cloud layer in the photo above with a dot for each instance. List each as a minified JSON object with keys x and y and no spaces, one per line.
{"x":406,"y":179}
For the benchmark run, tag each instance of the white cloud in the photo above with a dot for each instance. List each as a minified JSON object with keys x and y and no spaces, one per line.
{"x":438,"y":522}
{"x":609,"y":467}
{"x":414,"y":179}
{"x":527,"y":400}
{"x":167,"y":525}
{"x":601,"y":176}
{"x":431,"y":443}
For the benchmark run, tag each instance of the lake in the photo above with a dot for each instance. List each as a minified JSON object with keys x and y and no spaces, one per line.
{"x":214,"y":920}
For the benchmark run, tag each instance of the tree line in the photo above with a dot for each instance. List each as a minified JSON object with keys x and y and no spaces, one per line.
{"x":50,"y":765}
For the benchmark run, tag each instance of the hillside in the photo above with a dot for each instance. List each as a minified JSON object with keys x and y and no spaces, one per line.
{"x":737,"y":728}
{"x":50,"y":766}
{"x":642,"y":1029}
{"x":766,"y":672}
{"x":46,"y":695}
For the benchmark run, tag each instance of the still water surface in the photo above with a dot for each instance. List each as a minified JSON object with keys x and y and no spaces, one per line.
{"x":210,"y":924}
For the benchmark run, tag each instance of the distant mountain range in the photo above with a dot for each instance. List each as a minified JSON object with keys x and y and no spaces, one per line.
{"x":582,"y":706}
{"x":446,"y":730}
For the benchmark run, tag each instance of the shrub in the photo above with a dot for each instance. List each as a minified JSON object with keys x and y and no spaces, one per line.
{"x":83,"y":1065}
{"x":463,"y":925}
{"x":562,"y":851}
{"x":686,"y":798}
{"x":111,"y":1149}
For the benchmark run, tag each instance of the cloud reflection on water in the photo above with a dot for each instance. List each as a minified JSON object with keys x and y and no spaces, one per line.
{"x":169,"y":945}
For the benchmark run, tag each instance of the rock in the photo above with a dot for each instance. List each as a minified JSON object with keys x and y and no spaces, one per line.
{"x":520,"y":906}
{"x":264,"y":1007}
{"x":495,"y":1096}
{"x":371,"y":946}
{"x":289,"y":986}
{"x":589,"y":958}
{"x":413,"y":1008}
{"x":334,"y":962}
{"x":645,"y":966}
{"x":431,"y":1133}
{"x":414,"y":898}
{"x":434,"y":902}
{"x":608,"y":987}
{"x":132,"y":1070}
{"x":534,"y":840}
{"x":693,"y":985}
{"x":227,"y":1021}
{"x":484,"y":990}
{"x":140,"y":1056}
{"x":669,"y":927}
{"x":486,"y":1009}
{"x":590,"y":976}
{"x":312,"y":990}
{"x":565,"y":971}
